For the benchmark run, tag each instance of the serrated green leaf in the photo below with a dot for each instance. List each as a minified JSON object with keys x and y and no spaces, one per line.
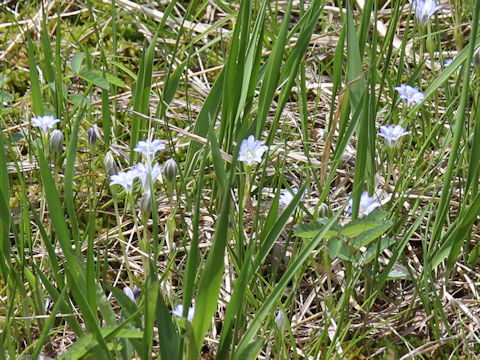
{"x":115,"y":80}
{"x":366,"y":237}
{"x":95,"y":78}
{"x":311,"y":230}
{"x":372,"y":250}
{"x":336,"y":249}
{"x":79,"y":100}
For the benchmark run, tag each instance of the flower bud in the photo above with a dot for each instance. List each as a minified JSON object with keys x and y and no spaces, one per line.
{"x":146,"y":203}
{"x":280,"y":320}
{"x":92,"y":136}
{"x":110,"y":166}
{"x":323,"y":210}
{"x":136,"y":291}
{"x":56,"y":141}
{"x":170,"y":170}
{"x":131,"y":294}
{"x":476,"y":58}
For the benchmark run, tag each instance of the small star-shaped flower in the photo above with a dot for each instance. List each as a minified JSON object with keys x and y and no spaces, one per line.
{"x":251,"y":151}
{"x":124,"y":178}
{"x":392,"y":133}
{"x":424,"y":9}
{"x":411,"y":95}
{"x":149,"y":148}
{"x":367,"y":205}
{"x":44,"y":123}
{"x":144,"y":172}
{"x":178,"y":311}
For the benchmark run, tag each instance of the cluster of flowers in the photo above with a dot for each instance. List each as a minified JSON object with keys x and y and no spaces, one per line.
{"x":47,"y":122}
{"x":424,"y":9}
{"x":145,"y":172}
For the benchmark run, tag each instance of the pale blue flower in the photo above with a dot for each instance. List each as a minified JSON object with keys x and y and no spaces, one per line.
{"x":367,"y":205}
{"x":411,"y":95}
{"x":448,"y":62}
{"x":178,"y":311}
{"x":44,"y":123}
{"x":392,"y":133}
{"x":124,"y":178}
{"x":144,"y":172}
{"x":286,"y":196}
{"x":149,"y":148}
{"x":251,"y":151}
{"x":132,"y":294}
{"x":424,"y":9}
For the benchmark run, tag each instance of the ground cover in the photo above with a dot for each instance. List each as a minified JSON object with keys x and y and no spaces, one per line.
{"x":239,"y":179}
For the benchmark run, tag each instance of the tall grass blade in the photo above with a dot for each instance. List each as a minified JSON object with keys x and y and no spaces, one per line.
{"x":141,"y":95}
{"x":272,"y":72}
{"x":37,"y":98}
{"x":457,"y":136}
{"x":267,"y":305}
{"x":5,"y":247}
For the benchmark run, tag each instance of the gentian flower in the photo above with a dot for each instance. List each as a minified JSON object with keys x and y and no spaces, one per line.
{"x":149,"y":148}
{"x":367,"y":205}
{"x":56,"y":141}
{"x":178,"y":311}
{"x":124,"y":178}
{"x":448,"y":62}
{"x":424,"y":9}
{"x":251,"y":151}
{"x":287,"y":196}
{"x":132,"y":294}
{"x":45,"y":123}
{"x":392,"y":133}
{"x":411,"y":95}
{"x":144,"y":172}
{"x":280,"y":320}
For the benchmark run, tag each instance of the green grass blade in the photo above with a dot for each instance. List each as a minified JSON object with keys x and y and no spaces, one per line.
{"x":211,"y":278}
{"x":457,"y":136}
{"x":37,"y":98}
{"x":69,"y":175}
{"x":272,"y":72}
{"x":141,"y":95}
{"x":5,"y":248}
{"x":48,"y":325}
{"x":280,"y":286}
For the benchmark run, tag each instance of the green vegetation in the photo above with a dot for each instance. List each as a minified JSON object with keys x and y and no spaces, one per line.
{"x":345,"y":227}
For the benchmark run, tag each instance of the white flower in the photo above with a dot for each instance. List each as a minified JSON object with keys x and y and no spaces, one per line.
{"x":149,"y":148}
{"x":280,"y":320}
{"x":367,"y":204}
{"x":178,"y":311}
{"x":392,"y":133}
{"x":424,"y":9}
{"x":45,"y":123}
{"x":144,"y":172}
{"x":251,"y":151}
{"x":410,"y":94}
{"x":287,"y":196}
{"x":130,"y":293}
{"x":124,"y":178}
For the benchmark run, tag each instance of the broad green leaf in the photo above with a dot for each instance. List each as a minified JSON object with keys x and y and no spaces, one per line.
{"x":95,"y":78}
{"x":5,"y":96}
{"x":76,"y":63}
